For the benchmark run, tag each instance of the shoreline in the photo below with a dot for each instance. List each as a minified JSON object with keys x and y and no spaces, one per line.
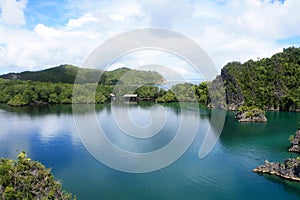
{"x":37,"y":104}
{"x":288,"y":170}
{"x":259,"y":171}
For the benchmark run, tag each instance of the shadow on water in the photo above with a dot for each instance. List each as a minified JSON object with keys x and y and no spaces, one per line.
{"x":291,"y":187}
{"x":57,"y":109}
{"x":276,"y":131}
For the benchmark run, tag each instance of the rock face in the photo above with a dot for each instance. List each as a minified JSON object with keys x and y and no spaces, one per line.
{"x":295,"y":142}
{"x":250,"y":115}
{"x":234,"y":96}
{"x":289,"y":169}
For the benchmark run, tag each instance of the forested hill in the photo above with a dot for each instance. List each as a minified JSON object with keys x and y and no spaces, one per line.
{"x":67,"y":74}
{"x":270,"y":83}
{"x":62,"y":73}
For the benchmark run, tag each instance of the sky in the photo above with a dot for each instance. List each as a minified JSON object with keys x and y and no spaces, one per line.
{"x":38,"y":34}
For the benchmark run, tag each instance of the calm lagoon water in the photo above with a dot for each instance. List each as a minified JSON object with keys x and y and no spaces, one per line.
{"x":48,"y":134}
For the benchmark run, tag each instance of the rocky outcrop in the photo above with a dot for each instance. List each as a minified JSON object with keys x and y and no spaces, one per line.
{"x":234,"y":96}
{"x":246,"y":114}
{"x":233,"y":107}
{"x":289,"y":169}
{"x":295,"y":109}
{"x":295,"y":142}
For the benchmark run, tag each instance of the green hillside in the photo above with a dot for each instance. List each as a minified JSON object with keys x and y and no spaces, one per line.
{"x":62,"y":73}
{"x":269,"y":83}
{"x":68,"y":73}
{"x":126,"y":76}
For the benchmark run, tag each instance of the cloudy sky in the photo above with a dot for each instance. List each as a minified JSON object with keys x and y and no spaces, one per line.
{"x":36,"y":34}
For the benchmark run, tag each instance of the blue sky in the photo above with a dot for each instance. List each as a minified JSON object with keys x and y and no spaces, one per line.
{"x":36,"y":34}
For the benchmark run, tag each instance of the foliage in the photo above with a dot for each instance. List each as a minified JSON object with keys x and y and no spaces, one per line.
{"x":126,"y":76}
{"x":27,"y":179}
{"x":68,"y":74}
{"x":169,"y":96}
{"x":251,"y":111}
{"x":269,"y":83}
{"x":19,"y":93}
{"x":147,"y":91}
{"x":185,"y":92}
{"x":291,"y":138}
{"x":201,"y":91}
{"x":62,"y":73}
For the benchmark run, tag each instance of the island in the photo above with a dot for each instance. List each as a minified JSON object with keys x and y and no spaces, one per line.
{"x":250,"y":114}
{"x":295,"y":142}
{"x":289,"y":169}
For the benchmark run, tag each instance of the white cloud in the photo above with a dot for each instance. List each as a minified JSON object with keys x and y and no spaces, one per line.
{"x":124,"y":12}
{"x":242,"y":30}
{"x":45,"y":31}
{"x":227,"y":30}
{"x":12,"y":12}
{"x":167,"y":13}
{"x":81,"y":21}
{"x":154,"y":60}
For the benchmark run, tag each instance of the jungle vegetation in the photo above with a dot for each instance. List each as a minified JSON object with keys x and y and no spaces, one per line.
{"x":268,"y":83}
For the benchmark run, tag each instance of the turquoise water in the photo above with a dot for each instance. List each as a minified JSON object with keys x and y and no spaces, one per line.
{"x":48,"y":134}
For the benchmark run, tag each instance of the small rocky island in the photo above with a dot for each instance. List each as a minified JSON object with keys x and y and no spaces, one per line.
{"x":289,"y":169}
{"x":250,"y":114}
{"x":295,"y":142}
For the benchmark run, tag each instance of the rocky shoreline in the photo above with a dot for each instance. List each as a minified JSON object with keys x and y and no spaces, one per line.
{"x":295,"y":142}
{"x":289,"y":169}
{"x":250,"y":114}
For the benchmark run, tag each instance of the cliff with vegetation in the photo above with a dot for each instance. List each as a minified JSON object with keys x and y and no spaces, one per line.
{"x":269,"y":83}
{"x":27,"y":179}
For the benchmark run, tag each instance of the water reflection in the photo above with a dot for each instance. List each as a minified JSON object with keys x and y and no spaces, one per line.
{"x":48,"y":134}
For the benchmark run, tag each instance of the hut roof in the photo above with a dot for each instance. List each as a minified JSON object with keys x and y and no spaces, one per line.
{"x":130,"y":95}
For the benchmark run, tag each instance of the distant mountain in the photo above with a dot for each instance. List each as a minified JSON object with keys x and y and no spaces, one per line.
{"x":60,"y":74}
{"x":68,"y":74}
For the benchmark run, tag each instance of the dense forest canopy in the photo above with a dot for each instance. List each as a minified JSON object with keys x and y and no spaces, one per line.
{"x":68,"y":74}
{"x":20,"y":93}
{"x":269,"y":83}
{"x":55,"y":86}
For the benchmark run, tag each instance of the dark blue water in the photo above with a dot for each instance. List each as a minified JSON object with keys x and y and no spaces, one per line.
{"x":48,"y":134}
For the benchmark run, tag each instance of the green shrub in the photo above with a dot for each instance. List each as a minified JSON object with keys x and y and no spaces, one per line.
{"x":27,"y":179}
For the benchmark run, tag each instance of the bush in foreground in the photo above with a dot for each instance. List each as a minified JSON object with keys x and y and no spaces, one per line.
{"x":27,"y":179}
